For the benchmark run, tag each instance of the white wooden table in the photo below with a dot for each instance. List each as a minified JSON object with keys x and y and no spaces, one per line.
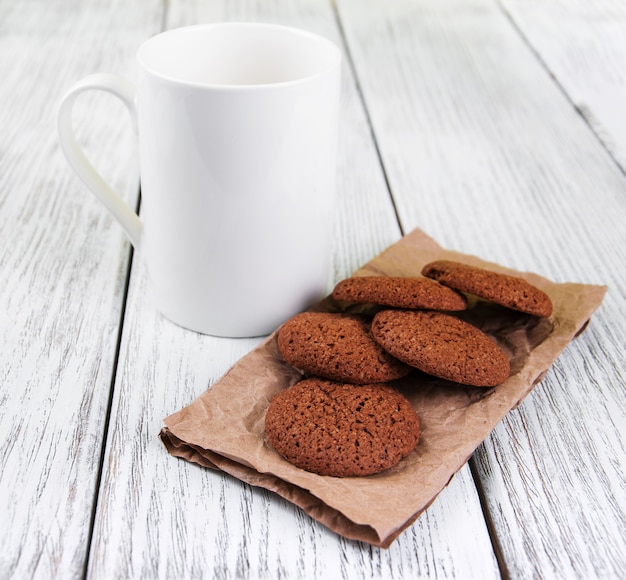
{"x":496,"y":126}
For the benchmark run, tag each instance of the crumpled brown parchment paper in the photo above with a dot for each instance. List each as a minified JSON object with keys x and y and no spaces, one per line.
{"x":224,"y":428}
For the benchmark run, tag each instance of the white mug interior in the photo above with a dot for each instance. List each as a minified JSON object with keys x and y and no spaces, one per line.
{"x":237,"y":54}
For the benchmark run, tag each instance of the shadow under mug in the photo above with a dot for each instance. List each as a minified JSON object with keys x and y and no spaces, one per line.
{"x":237,"y":130}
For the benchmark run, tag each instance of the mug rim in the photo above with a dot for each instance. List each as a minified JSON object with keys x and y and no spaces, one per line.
{"x":151,"y":70}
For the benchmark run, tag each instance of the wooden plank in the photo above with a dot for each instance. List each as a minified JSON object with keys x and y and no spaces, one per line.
{"x":63,"y":269}
{"x":465,"y":142}
{"x":163,"y":517}
{"x":483,"y":150}
{"x":583,"y":44}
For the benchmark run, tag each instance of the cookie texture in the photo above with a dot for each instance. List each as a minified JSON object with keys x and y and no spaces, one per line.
{"x":442,"y":345}
{"x":340,"y":429}
{"x":338,"y":347}
{"x":509,"y":291}
{"x":412,"y":293}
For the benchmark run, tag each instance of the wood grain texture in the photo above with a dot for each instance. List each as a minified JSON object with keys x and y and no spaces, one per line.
{"x":63,"y":266}
{"x":484,"y":150}
{"x":583,"y":44}
{"x":468,"y":139}
{"x":161,"y":517}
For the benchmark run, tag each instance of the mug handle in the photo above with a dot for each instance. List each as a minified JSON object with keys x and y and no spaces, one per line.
{"x":125,"y":91}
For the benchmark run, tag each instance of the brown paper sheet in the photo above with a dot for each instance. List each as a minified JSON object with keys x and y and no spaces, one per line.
{"x":224,"y":428}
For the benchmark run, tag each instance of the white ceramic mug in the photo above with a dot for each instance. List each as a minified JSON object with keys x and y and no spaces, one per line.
{"x":237,"y":126}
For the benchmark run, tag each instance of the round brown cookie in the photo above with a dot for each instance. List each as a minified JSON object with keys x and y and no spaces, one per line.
{"x":509,"y":291}
{"x":338,"y":347}
{"x":340,"y":429}
{"x":413,"y":293}
{"x":443,"y":346}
